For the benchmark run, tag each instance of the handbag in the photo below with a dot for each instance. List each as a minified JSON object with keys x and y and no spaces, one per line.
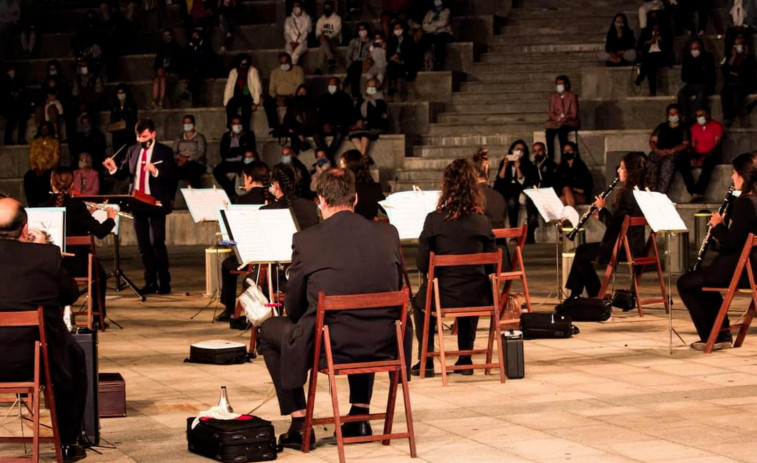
{"x":624,"y":299}
{"x":510,"y":316}
{"x":255,"y":304}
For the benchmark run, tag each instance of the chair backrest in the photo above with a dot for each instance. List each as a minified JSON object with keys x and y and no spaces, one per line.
{"x":84,"y":240}
{"x":464,"y":260}
{"x":507,"y":233}
{"x":623,"y":237}
{"x":29,"y":318}
{"x":745,"y":261}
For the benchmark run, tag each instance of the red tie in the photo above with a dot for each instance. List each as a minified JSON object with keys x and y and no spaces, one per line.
{"x":142,"y":171}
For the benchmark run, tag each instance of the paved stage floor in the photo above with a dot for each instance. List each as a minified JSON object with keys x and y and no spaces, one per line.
{"x":611,"y":394}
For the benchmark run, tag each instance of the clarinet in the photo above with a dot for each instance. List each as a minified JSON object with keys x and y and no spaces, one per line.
{"x":708,"y":236}
{"x":572,"y":234}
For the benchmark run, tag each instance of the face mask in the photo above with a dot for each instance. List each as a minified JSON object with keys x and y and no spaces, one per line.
{"x":539,"y":157}
{"x":695,"y":53}
{"x":739,"y":49}
{"x":53,"y":72}
{"x":248,"y":160}
{"x":286,"y":67}
{"x":86,"y":128}
{"x":701,"y":120}
{"x":297,"y":11}
{"x":377,"y":43}
{"x":398,"y":32}
{"x":236,"y":128}
{"x":84,"y":71}
{"x":12,"y":74}
{"x":619,"y":25}
{"x":168,"y":39}
{"x":560,"y":88}
{"x":568,"y":156}
{"x":362,"y":34}
{"x":145,"y":144}
{"x":244,"y":66}
{"x":83,"y":165}
{"x":286,"y":159}
{"x":121,"y":96}
{"x":328,"y":13}
{"x":673,"y":119}
{"x":332,"y":89}
{"x":370,"y":90}
{"x":188,"y":127}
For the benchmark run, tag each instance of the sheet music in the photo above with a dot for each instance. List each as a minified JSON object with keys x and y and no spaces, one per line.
{"x":51,"y":221}
{"x":659,"y":210}
{"x":204,"y":202}
{"x":260,"y":235}
{"x":550,"y":206}
{"x":101,"y":215}
{"x":219,"y":218}
{"x":407,"y":211}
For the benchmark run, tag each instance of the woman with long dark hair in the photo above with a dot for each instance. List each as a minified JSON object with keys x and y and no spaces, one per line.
{"x":123,"y":109}
{"x":574,"y":180}
{"x":369,"y":192}
{"x":620,"y":44}
{"x":458,"y":226}
{"x":729,"y":239}
{"x":517,"y":173}
{"x":285,"y":188}
{"x":582,"y":274}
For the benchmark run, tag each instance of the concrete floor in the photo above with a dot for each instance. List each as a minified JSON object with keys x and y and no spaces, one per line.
{"x":611,"y":394}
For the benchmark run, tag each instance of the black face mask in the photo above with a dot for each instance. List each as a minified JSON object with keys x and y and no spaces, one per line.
{"x":145,"y":144}
{"x":568,"y":156}
{"x":328,"y":13}
{"x":539,"y":157}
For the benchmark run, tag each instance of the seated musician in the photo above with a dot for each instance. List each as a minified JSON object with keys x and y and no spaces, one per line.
{"x":344,"y":254}
{"x":582,"y":274}
{"x":31,"y":274}
{"x":79,"y":222}
{"x":729,"y":239}
{"x":255,"y":180}
{"x":458,"y":226}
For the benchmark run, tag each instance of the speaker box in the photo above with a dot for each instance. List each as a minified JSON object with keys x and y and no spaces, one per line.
{"x":91,"y":421}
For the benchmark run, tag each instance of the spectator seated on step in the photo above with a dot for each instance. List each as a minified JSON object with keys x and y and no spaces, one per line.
{"x":199,"y":60}
{"x":574,"y":181}
{"x":89,"y":140}
{"x":282,"y":86}
{"x":297,"y":26}
{"x":357,"y":53}
{"x":563,"y":115}
{"x":234,"y":143}
{"x":706,"y":143}
{"x":401,"y":59}
{"x":377,"y":60}
{"x":333,"y":119}
{"x":668,"y":141}
{"x":437,"y":33}
{"x":646,"y":7}
{"x":371,"y":118}
{"x":168,"y":65}
{"x":123,"y":110}
{"x":328,"y":32}
{"x":86,"y":179}
{"x":698,"y":76}
{"x":620,"y":43}
{"x":243,"y":91}
{"x":44,"y":156}
{"x":739,"y":79}
{"x":546,"y":168}
{"x":301,"y":120}
{"x":87,"y":90}
{"x":14,"y":106}
{"x":655,"y":49}
{"x":369,"y":192}
{"x":89,"y":41}
{"x":190,"y":148}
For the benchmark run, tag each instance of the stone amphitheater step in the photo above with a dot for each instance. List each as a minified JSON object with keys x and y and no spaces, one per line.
{"x":481,"y":128}
{"x":500,"y":97}
{"x":422,"y":153}
{"x":516,"y":76}
{"x":503,"y":55}
{"x":570,"y":68}
{"x":429,"y":144}
{"x":583,"y":46}
{"x":517,"y":108}
{"x":525,"y":87}
{"x":585,"y":36}
{"x":507,"y":120}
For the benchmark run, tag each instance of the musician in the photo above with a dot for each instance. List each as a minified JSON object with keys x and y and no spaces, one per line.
{"x":255,"y":183}
{"x":495,"y":206}
{"x":582,"y":274}
{"x":517,"y":173}
{"x":458,"y":226}
{"x":369,"y":192}
{"x":729,"y":239}
{"x":152,"y":170}
{"x":31,"y":274}
{"x":344,"y":254}
{"x":79,"y":222}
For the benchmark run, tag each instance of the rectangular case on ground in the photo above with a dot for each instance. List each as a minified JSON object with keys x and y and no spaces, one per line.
{"x":87,"y":340}
{"x":233,"y":441}
{"x":218,"y":352}
{"x":112,"y":395}
{"x":545,"y":325}
{"x":514,"y":360}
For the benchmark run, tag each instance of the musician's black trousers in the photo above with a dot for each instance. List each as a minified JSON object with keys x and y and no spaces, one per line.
{"x":273,"y":332}
{"x":704,"y":306}
{"x":229,"y":283}
{"x":150,"y":228}
{"x":582,"y":274}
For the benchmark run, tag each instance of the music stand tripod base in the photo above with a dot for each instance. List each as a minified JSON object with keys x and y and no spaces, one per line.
{"x":671,"y":330}
{"x":122,"y":281}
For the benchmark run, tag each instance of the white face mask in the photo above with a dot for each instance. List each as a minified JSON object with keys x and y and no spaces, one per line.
{"x":53,"y":72}
{"x":121,"y":96}
{"x":363,"y":34}
{"x":398,"y":32}
{"x":84,"y":71}
{"x":297,"y":11}
{"x":739,"y":49}
{"x":701,"y":120}
{"x":673,"y":119}
{"x":248,"y":160}
{"x":188,"y":127}
{"x":332,"y":89}
{"x":695,"y":53}
{"x":236,"y":128}
{"x":286,"y":67}
{"x":560,"y":88}
{"x":370,"y":90}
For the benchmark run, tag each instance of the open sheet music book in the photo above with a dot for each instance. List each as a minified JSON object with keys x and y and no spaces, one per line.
{"x":51,"y":221}
{"x":407,"y":211}
{"x":101,"y":215}
{"x":224,"y":230}
{"x":260,"y":236}
{"x":659,"y":210}
{"x":204,"y":202}
{"x":550,"y":207}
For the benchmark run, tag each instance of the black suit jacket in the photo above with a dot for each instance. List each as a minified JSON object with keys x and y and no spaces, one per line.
{"x":304,"y":210}
{"x":730,"y":242}
{"x":31,"y":275}
{"x":256,"y":195}
{"x":368,"y":197}
{"x":162,"y":187}
{"x":496,"y":206}
{"x":345,"y":254}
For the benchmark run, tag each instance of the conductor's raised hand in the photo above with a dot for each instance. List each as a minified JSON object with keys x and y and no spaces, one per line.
{"x":109,"y":164}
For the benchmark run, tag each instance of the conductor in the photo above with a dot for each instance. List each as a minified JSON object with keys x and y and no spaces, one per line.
{"x":151,"y":168}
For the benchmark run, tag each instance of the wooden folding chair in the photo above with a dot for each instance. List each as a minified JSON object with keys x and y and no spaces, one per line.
{"x":90,"y":282}
{"x":636,"y":264}
{"x":395,"y":368}
{"x":432,"y":293}
{"x":730,"y":292}
{"x":517,"y":268}
{"x":31,"y":389}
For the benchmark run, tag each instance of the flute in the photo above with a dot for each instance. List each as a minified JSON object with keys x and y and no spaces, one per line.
{"x":708,"y":236}
{"x":572,"y":234}
{"x":103,"y":207}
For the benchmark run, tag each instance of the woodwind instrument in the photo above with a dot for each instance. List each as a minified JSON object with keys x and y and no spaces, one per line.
{"x":572,"y":234}
{"x":708,"y":236}
{"x":103,"y":207}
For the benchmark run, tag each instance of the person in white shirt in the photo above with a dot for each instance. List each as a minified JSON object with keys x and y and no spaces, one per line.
{"x":243,"y":90}
{"x":437,"y":32}
{"x":328,"y":31}
{"x":296,"y":29}
{"x":645,"y":8}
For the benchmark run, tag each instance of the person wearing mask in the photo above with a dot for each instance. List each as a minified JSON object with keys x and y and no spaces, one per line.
{"x":495,"y":206}
{"x":328,"y":32}
{"x":668,"y":141}
{"x":289,"y":157}
{"x":703,"y":306}
{"x":371,"y":118}
{"x":286,"y":185}
{"x":582,"y":274}
{"x":282,"y":85}
{"x":89,"y":140}
{"x":225,"y":11}
{"x":655,"y":47}
{"x":437,"y":33}
{"x":13,"y":106}
{"x":334,"y":117}
{"x":401,"y":59}
{"x":739,"y":78}
{"x":574,"y":180}
{"x":546,"y":168}
{"x":90,"y":40}
{"x":87,"y":90}
{"x":44,"y":156}
{"x":243,"y":90}
{"x":357,"y":53}
{"x":515,"y":174}
{"x":698,"y":76}
{"x":255,"y":176}
{"x":169,"y":63}
{"x":300,"y":119}
{"x":124,"y":111}
{"x":369,"y":192}
{"x":297,"y":26}
{"x":620,"y":43}
{"x":706,"y":142}
{"x":647,"y":6}
{"x":190,"y":148}
{"x":233,"y":145}
{"x":563,"y":115}
{"x":321,"y":165}
{"x":86,"y":179}
{"x":51,"y":110}
{"x":200,"y":60}
{"x":377,"y":60}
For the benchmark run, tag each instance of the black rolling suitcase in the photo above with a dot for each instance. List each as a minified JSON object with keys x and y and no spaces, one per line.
{"x":233,"y":441}
{"x":546,"y":325}
{"x":217,"y":352}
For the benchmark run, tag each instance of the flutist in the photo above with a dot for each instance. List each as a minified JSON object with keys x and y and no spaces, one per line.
{"x":729,"y":240}
{"x":582,"y":274}
{"x":152,"y":170}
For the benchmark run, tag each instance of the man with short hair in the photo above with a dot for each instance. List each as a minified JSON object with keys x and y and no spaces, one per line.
{"x":328,"y":31}
{"x":89,"y":140}
{"x":546,"y":167}
{"x":31,"y":275}
{"x":698,"y":76}
{"x":282,"y":86}
{"x":706,"y":140}
{"x":288,"y":156}
{"x":335,"y":115}
{"x":234,"y":143}
{"x":344,"y":254}
{"x":190,"y":148}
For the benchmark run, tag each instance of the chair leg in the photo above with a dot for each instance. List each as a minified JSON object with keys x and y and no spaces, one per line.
{"x":636,"y":277}
{"x":390,"y":404}
{"x":309,"y":410}
{"x":500,"y":350}
{"x":442,"y":352}
{"x":424,"y":341}
{"x":745,"y":325}
{"x":526,"y":294}
{"x":718,"y":322}
{"x":35,"y":428}
{"x":406,"y":393}
{"x":490,"y":343}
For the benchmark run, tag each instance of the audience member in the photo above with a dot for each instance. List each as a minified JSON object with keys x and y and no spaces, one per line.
{"x":655,"y":48}
{"x":369,"y":192}
{"x":282,"y":85}
{"x":698,"y":76}
{"x":357,"y":54}
{"x":545,"y":167}
{"x":90,"y":40}
{"x":119,"y":36}
{"x":574,"y":181}
{"x":495,"y":206}
{"x":190,"y":148}
{"x":199,"y":14}
{"x":89,"y":140}
{"x":321,"y":165}
{"x":646,"y":7}
{"x":44,"y":156}
{"x":563,"y":115}
{"x":297,"y":26}
{"x":31,"y":274}
{"x":225,"y":12}
{"x":437,"y":33}
{"x":371,"y":118}
{"x":242,"y":91}
{"x":667,"y":142}
{"x":14,"y":106}
{"x":401,"y":59}
{"x":51,"y":110}
{"x":620,"y":44}
{"x":706,"y":140}
{"x":335,"y":112}
{"x":124,"y":113}
{"x":233,"y":144}
{"x":168,"y":64}
{"x":289,"y":157}
{"x":515,"y":174}
{"x":377,"y":60}
{"x":30,"y":11}
{"x":87,"y":90}
{"x":300,"y":120}
{"x":86,"y":180}
{"x":328,"y":32}
{"x":739,"y":78}
{"x":199,"y":62}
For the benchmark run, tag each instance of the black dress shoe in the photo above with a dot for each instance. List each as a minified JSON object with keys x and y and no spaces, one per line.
{"x":73,"y":453}
{"x":357,"y":429}
{"x":464,"y":372}
{"x":415,"y":370}
{"x":149,"y":288}
{"x":240,"y":323}
{"x":223,"y":317}
{"x":164,"y":289}
{"x":293,"y":439}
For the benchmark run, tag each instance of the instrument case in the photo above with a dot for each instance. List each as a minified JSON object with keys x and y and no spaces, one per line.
{"x":546,"y":325}
{"x":247,"y":438}
{"x":217,"y":352}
